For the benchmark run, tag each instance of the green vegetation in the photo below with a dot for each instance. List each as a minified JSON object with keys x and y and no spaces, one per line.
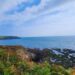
{"x":11,"y":64}
{"x":8,"y":37}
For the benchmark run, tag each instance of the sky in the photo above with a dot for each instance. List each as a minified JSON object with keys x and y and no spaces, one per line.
{"x":37,"y":17}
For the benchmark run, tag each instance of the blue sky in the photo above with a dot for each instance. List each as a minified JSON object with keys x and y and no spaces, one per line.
{"x":37,"y":17}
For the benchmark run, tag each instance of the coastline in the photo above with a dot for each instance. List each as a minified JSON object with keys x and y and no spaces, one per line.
{"x":53,"y":53}
{"x":48,"y":61}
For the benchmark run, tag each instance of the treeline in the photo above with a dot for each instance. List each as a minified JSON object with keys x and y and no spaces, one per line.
{"x":64,"y":57}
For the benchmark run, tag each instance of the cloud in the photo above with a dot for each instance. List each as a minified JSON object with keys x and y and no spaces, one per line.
{"x":24,"y":10}
{"x":22,"y":6}
{"x":31,"y":17}
{"x":32,"y":6}
{"x":9,"y":4}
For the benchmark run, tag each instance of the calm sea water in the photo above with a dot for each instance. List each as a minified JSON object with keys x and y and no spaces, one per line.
{"x":43,"y":42}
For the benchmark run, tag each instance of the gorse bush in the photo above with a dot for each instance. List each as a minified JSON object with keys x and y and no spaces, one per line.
{"x":39,"y":69}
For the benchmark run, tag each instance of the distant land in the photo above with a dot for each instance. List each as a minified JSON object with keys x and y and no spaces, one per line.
{"x":8,"y":37}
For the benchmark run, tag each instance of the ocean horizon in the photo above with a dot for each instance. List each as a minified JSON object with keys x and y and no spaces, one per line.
{"x":42,"y":42}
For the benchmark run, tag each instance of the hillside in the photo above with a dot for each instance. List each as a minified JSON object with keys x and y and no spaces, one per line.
{"x":8,"y":37}
{"x":17,"y":60}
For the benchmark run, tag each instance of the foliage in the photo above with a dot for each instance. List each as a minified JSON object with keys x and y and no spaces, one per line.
{"x":16,"y":66}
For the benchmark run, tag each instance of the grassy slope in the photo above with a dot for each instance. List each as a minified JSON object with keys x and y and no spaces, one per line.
{"x":12,"y":63}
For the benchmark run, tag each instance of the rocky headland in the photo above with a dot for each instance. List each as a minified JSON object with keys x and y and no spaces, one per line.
{"x":8,"y":37}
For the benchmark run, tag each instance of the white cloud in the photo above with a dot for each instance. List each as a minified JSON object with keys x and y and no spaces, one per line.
{"x":34,"y":12}
{"x":10,"y":4}
{"x":40,"y":19}
{"x":58,"y":24}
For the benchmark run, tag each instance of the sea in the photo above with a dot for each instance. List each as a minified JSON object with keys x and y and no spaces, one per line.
{"x":42,"y":42}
